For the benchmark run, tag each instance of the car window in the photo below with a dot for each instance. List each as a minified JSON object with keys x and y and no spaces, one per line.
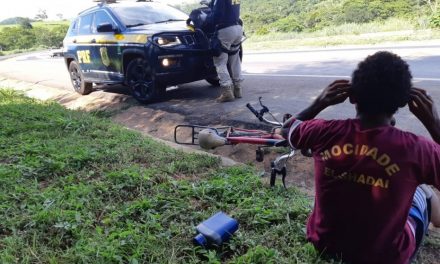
{"x":73,"y":30}
{"x":147,"y":13}
{"x":101,"y":17}
{"x":85,"y":23}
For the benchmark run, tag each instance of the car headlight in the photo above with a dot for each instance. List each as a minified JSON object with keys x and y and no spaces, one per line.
{"x":167,"y":41}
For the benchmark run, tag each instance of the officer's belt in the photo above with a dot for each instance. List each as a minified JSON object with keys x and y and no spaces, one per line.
{"x":225,"y":25}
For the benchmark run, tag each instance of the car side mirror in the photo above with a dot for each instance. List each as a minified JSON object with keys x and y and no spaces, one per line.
{"x":106,"y":27}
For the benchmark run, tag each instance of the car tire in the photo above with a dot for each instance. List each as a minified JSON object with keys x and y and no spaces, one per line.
{"x":77,"y":78}
{"x":140,"y":78}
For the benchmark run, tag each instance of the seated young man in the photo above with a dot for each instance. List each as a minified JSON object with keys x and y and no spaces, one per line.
{"x":371,"y":204}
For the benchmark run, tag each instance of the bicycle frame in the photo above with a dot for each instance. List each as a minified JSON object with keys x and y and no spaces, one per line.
{"x":261,"y":137}
{"x":232,"y":136}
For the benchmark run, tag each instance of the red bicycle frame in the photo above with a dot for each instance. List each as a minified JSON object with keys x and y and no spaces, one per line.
{"x":255,"y":137}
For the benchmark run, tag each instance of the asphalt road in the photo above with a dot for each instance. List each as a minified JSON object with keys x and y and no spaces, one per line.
{"x":288,"y":81}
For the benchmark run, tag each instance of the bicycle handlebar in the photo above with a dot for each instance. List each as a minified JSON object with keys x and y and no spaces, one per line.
{"x":252,"y":109}
{"x":260,"y":115}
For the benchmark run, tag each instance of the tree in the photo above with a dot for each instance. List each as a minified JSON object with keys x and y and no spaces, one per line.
{"x":41,"y":15}
{"x":50,"y":37}
{"x":357,"y":11}
{"x":433,"y":5}
{"x":60,"y":16}
{"x":25,"y":23}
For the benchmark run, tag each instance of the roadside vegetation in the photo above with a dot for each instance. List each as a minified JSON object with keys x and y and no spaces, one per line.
{"x":390,"y":31}
{"x":76,"y":188}
{"x":294,"y":23}
{"x":27,"y":36}
{"x":285,"y":24}
{"x":262,"y":17}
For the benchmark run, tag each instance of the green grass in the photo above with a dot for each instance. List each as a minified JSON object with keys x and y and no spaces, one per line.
{"x":50,"y":24}
{"x":76,"y":188}
{"x":391,"y":30}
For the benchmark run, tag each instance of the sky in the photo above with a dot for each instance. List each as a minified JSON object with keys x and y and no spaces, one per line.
{"x":68,"y":8}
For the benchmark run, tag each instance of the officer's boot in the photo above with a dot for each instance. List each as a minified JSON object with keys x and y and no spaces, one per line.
{"x":237,"y":90}
{"x":226,"y":95}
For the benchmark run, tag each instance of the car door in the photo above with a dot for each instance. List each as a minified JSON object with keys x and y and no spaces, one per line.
{"x":83,"y":41}
{"x":106,"y":51}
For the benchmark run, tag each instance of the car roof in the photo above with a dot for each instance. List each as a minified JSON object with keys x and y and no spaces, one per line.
{"x":110,"y":3}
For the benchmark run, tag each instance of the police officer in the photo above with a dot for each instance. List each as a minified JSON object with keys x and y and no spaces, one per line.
{"x":225,"y":16}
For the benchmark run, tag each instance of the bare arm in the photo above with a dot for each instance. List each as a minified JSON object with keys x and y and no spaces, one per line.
{"x":333,"y":94}
{"x":423,"y":107}
{"x":336,"y":93}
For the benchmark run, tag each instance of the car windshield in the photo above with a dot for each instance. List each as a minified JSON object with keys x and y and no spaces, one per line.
{"x":138,"y":14}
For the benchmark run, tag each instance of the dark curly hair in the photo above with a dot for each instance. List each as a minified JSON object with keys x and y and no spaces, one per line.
{"x":381,"y":84}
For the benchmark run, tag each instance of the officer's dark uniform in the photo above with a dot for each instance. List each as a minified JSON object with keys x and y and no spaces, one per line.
{"x":225,"y":16}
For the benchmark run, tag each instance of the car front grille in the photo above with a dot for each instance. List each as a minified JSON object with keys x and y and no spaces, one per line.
{"x":189,"y":40}
{"x":195,"y":39}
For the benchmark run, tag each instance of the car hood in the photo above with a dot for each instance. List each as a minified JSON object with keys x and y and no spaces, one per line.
{"x":160,"y":27}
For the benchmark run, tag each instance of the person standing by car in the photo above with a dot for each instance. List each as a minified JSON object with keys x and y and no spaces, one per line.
{"x":225,"y":16}
{"x":372,"y":204}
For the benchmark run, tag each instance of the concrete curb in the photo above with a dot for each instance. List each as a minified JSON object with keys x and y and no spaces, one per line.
{"x":73,"y":101}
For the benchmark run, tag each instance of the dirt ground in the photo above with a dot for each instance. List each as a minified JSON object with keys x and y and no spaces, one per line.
{"x":160,"y":124}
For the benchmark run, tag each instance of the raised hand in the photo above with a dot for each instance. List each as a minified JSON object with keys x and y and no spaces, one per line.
{"x":335,"y":93}
{"x":423,"y":107}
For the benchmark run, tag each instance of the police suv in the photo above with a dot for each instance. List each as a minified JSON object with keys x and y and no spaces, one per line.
{"x":145,"y":45}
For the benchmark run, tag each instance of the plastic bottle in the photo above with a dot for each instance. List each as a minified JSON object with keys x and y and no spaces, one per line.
{"x":216,"y":230}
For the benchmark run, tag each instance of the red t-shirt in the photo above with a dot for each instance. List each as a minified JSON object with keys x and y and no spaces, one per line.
{"x":364,"y":183}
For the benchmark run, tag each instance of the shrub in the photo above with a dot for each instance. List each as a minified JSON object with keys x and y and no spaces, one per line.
{"x":50,"y":37}
{"x":14,"y":38}
{"x":262,"y":31}
{"x":288,"y":24}
{"x":357,"y":12}
{"x":435,"y":20}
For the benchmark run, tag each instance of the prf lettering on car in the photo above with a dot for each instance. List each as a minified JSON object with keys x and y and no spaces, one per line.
{"x":83,"y":56}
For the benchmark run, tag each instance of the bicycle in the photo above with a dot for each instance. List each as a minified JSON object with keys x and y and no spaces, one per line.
{"x":213,"y":137}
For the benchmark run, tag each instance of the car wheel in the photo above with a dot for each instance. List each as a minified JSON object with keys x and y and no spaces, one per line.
{"x":77,"y":79}
{"x":142,"y":83}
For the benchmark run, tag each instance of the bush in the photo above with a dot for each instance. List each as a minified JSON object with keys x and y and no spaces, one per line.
{"x":435,"y":20}
{"x":15,"y":38}
{"x":288,"y":24}
{"x":51,"y":37}
{"x":262,"y":31}
{"x":357,"y":12}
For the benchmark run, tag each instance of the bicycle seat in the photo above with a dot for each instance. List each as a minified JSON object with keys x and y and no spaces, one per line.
{"x":209,"y":139}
